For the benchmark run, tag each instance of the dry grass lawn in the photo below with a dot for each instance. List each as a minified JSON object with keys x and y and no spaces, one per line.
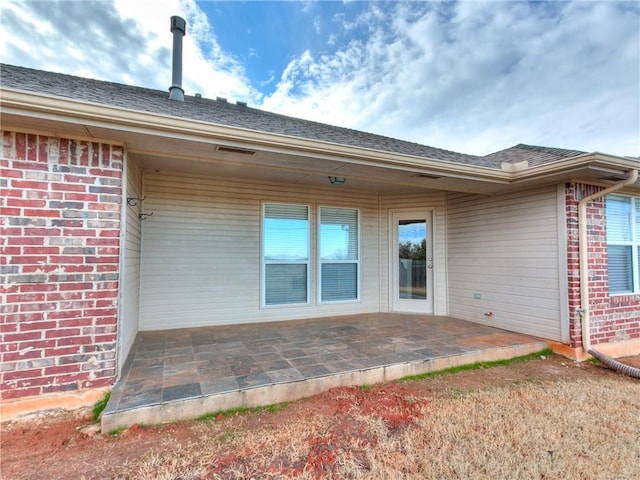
{"x":547,"y":418}
{"x":586,"y":430}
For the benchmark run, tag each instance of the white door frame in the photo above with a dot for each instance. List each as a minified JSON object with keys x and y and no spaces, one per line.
{"x":405,"y":305}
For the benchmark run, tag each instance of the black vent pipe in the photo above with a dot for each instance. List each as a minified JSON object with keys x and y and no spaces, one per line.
{"x":178,"y":28}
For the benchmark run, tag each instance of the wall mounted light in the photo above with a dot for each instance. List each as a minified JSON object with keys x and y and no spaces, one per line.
{"x":337,"y":180}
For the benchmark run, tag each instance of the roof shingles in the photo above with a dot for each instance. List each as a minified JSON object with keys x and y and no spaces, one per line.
{"x":230,"y":114}
{"x":534,"y":155}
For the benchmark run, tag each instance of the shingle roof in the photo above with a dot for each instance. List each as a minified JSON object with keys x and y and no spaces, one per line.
{"x":533,"y":154}
{"x":234,"y":115}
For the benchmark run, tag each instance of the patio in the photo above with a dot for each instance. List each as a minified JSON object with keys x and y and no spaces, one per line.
{"x":180,"y":374}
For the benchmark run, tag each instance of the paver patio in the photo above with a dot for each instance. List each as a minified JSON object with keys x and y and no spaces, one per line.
{"x":176,"y":374}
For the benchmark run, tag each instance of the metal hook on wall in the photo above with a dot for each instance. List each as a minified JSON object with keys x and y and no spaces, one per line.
{"x":144,"y":216}
{"x":133,"y":201}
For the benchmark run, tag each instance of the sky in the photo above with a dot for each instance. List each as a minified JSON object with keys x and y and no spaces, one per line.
{"x":469,"y":76}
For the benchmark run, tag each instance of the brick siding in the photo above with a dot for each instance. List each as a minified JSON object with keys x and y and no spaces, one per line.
{"x":61,"y":202}
{"x":613,"y":318}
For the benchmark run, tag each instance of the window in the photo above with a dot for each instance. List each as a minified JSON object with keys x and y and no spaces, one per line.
{"x":623,"y":243}
{"x":339,"y":246}
{"x":285,"y":254}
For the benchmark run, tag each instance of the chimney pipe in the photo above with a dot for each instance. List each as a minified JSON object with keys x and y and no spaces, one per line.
{"x":178,"y":28}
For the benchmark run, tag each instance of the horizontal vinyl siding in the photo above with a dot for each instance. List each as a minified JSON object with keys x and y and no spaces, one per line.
{"x":201,"y":251}
{"x":128,"y":326}
{"x":416,"y":201}
{"x":506,"y":249}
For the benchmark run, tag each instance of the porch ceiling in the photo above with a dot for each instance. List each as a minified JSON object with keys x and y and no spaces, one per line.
{"x":274,"y":167}
{"x":291,"y":169}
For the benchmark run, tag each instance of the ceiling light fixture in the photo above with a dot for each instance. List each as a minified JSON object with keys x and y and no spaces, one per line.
{"x":336,"y":180}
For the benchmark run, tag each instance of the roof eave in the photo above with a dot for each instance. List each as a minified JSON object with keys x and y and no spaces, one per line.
{"x":70,"y":111}
{"x":105,"y":116}
{"x":594,"y":160}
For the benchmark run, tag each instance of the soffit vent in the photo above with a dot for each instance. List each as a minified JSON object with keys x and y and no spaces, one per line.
{"x":427,"y":176}
{"x":240,"y":151}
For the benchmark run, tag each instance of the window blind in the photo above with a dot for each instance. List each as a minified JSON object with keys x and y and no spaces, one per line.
{"x":637,"y":203}
{"x":620,"y":269}
{"x":618,"y":219}
{"x":339,"y":281}
{"x":285,"y":284}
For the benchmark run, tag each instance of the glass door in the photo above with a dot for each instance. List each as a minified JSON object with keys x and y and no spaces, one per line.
{"x":412,"y":262}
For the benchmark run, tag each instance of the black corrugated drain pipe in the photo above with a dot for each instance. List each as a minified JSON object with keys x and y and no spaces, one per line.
{"x":615,"y":365}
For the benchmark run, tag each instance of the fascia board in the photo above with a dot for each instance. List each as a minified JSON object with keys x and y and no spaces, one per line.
{"x":587,"y":160}
{"x":93,"y":114}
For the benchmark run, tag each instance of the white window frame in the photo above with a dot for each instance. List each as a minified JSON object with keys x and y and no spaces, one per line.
{"x":264,"y":262}
{"x":321,"y":262}
{"x":634,"y":243}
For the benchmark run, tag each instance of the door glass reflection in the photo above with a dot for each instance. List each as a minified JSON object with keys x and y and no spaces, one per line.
{"x":412,"y":253}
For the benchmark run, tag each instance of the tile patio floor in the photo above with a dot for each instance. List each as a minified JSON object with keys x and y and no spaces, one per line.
{"x":194,"y":363}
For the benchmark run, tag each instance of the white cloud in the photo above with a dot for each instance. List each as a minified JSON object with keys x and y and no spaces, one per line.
{"x":479,"y":77}
{"x":121,"y":41}
{"x":468,"y":76}
{"x":207,"y":69}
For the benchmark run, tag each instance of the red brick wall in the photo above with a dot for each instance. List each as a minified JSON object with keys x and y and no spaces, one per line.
{"x":613,"y":318}
{"x":60,"y":244}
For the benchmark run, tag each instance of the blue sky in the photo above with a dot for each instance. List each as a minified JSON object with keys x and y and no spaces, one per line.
{"x":469,"y":76}
{"x":266,"y":36}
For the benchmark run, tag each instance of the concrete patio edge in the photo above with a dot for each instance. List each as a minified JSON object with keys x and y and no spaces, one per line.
{"x":194,"y":407}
